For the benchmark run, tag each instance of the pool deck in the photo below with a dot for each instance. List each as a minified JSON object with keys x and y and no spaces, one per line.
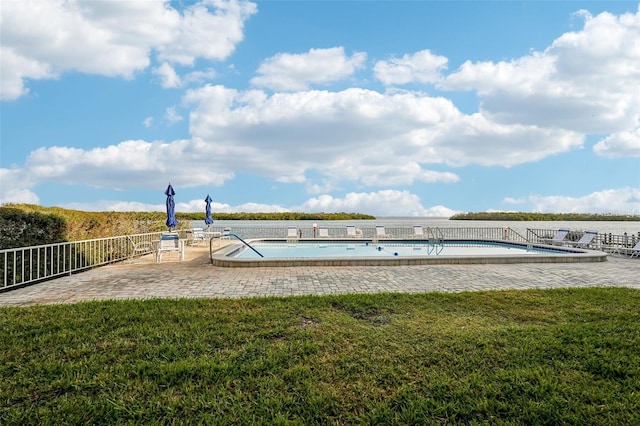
{"x":195,"y":277}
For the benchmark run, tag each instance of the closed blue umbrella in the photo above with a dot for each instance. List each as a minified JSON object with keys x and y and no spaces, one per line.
{"x":208,"y":219}
{"x":171,"y":208}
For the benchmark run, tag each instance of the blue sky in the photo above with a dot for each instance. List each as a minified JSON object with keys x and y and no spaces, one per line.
{"x":392,"y":108}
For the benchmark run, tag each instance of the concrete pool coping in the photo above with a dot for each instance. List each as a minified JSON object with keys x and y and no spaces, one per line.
{"x":221,"y":257}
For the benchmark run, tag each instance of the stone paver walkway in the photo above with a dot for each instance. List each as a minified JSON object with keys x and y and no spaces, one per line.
{"x":195,"y":277}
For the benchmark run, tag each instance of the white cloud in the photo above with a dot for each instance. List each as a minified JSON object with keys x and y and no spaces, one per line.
{"x":288,"y":72}
{"x":199,"y":76}
{"x":622,"y":144}
{"x":319,"y":188}
{"x":205,"y":33}
{"x":130,"y":164}
{"x":380,"y":203}
{"x":615,"y":201}
{"x":15,"y":69}
{"x":422,"y":67}
{"x":115,"y":206}
{"x":587,"y":81}
{"x":172,"y":116}
{"x":15,"y":187}
{"x":169,"y":79}
{"x":358,"y":135}
{"x":111,"y":38}
{"x":148,"y":122}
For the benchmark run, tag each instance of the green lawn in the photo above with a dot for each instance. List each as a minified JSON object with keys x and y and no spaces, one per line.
{"x":509,"y":357}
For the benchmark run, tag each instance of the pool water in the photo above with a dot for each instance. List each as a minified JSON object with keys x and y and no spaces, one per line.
{"x":342,"y":249}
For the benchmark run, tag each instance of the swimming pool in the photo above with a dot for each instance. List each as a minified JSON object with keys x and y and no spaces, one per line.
{"x":394,"y":252}
{"x":314,"y":249}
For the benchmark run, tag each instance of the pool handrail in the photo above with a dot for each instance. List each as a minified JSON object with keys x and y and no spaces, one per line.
{"x":245,"y":243}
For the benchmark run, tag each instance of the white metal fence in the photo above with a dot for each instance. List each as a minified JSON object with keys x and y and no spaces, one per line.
{"x":369,"y":232}
{"x":25,"y":265}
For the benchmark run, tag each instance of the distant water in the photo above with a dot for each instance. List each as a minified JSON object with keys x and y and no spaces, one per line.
{"x":615,"y":228}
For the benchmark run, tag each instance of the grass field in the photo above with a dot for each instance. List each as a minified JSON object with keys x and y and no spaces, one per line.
{"x":509,"y":357}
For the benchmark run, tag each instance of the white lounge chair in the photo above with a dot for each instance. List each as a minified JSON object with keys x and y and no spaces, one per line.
{"x":585,"y":240}
{"x":323,"y":232}
{"x":631,"y":252}
{"x":559,"y":237}
{"x":292,"y":232}
{"x":418,"y":232}
{"x":380,"y":232}
{"x":140,"y":247}
{"x":195,"y":236}
{"x":351,"y":231}
{"x":170,"y":242}
{"x":226,"y":234}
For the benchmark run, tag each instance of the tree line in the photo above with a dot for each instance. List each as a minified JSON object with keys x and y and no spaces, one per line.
{"x":523,"y":216}
{"x":25,"y":225}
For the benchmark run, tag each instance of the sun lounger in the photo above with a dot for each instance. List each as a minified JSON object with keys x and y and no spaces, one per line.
{"x":380,"y":232}
{"x":418,"y":232}
{"x":558,"y":238}
{"x":292,"y":232}
{"x":584,"y":241}
{"x":631,"y":252}
{"x":323,"y":232}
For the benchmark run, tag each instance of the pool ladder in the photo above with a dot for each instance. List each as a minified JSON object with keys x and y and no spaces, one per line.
{"x":435,"y":235}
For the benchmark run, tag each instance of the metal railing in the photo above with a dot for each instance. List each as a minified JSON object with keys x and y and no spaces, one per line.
{"x":369,"y":232}
{"x":26,"y":265}
{"x":602,"y":241}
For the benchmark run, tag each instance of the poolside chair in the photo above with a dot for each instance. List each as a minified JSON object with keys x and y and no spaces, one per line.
{"x":585,"y":240}
{"x":351,"y":231}
{"x":558,"y":238}
{"x":418,"y":232}
{"x":380,"y":232}
{"x":323,"y":232}
{"x":195,"y":236}
{"x":170,"y":242}
{"x":631,"y":252}
{"x":292,"y":232}
{"x":139,"y":247}
{"x":226,"y":234}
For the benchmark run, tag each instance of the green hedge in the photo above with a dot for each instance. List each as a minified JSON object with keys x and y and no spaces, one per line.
{"x":22,"y":229}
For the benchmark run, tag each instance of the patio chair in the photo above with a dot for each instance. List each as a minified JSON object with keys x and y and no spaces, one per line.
{"x":170,"y":242}
{"x":418,"y":232}
{"x":631,"y":252}
{"x":292,"y":232}
{"x":140,"y":247}
{"x":323,"y":232}
{"x":226,"y":234}
{"x":351,"y":231}
{"x":585,"y":240}
{"x":195,"y":236}
{"x":558,"y":238}
{"x":380,"y":232}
